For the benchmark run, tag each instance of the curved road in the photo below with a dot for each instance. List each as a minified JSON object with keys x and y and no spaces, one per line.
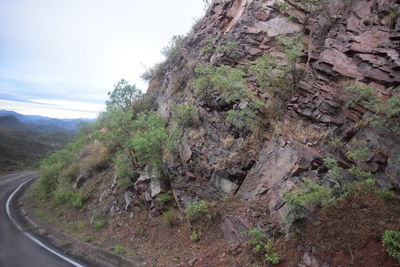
{"x":16,"y":249}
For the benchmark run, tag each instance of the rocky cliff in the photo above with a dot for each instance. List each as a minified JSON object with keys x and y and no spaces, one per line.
{"x":329,"y":114}
{"x":345,"y":42}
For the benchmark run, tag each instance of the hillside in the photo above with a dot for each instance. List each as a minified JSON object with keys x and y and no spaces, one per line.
{"x":24,"y":141}
{"x":269,"y":135}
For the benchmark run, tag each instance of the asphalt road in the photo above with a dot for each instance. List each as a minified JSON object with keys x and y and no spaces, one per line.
{"x":16,"y":249}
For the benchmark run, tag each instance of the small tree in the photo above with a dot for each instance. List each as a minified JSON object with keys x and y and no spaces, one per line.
{"x":123,"y":96}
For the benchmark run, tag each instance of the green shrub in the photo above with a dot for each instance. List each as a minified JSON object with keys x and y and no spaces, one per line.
{"x":241,"y":119}
{"x":363,"y":95}
{"x":123,"y":96}
{"x":361,"y":151}
{"x":301,"y":202}
{"x":209,"y":48}
{"x":363,"y":175}
{"x":170,"y":217}
{"x":386,"y":111}
{"x":119,"y":249}
{"x":278,"y":79}
{"x":391,"y":241}
{"x":185,"y":115}
{"x":165,"y":198}
{"x":225,"y":80}
{"x":124,"y":171}
{"x":385,"y":195}
{"x":335,"y":172}
{"x":100,"y":224}
{"x":229,"y":49}
{"x":262,"y":244}
{"x":198,"y":210}
{"x":88,"y":239}
{"x":148,"y":139}
{"x":195,"y":236}
{"x":73,"y":198}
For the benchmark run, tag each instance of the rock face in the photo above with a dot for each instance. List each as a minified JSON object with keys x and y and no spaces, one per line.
{"x":356,"y":42}
{"x":278,"y":162}
{"x":347,"y":41}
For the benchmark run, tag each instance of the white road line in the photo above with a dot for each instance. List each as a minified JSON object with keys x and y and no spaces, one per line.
{"x":29,"y":235}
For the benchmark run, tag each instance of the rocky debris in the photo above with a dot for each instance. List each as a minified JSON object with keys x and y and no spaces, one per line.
{"x":310,"y":260}
{"x":233,"y":228}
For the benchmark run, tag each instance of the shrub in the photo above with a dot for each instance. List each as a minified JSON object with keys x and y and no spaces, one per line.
{"x":165,"y":198}
{"x":88,"y":239}
{"x":185,"y":115}
{"x":209,"y":48}
{"x":302,"y":201}
{"x":225,"y":80}
{"x":262,"y":244}
{"x":230,"y":49}
{"x":170,"y":217}
{"x":65,"y":196}
{"x":148,"y":139}
{"x":124,"y":171}
{"x":386,"y":111}
{"x":123,"y":96}
{"x":391,"y":241}
{"x":198,"y":210}
{"x":334,"y":169}
{"x":100,"y":224}
{"x":241,"y":119}
{"x":195,"y":236}
{"x":361,"y":151}
{"x":119,"y":249}
{"x":385,"y":195}
{"x":363,"y":95}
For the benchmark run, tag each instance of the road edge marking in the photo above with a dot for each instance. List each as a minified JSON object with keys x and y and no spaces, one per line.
{"x":29,"y":235}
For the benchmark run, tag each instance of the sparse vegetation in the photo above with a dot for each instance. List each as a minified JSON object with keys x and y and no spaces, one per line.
{"x":198,"y":210}
{"x":301,"y":202}
{"x":170,"y":217}
{"x":119,"y":249}
{"x":185,"y":115}
{"x":262,"y":244}
{"x":241,"y":119}
{"x":386,"y":111}
{"x":165,"y":198}
{"x":229,"y":49}
{"x":223,"y":80}
{"x":335,"y":172}
{"x":195,"y":236}
{"x":391,"y":241}
{"x":74,"y":198}
{"x":209,"y":48}
{"x":100,"y":224}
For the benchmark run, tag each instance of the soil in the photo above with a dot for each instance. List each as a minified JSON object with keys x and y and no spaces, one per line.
{"x":347,"y":233}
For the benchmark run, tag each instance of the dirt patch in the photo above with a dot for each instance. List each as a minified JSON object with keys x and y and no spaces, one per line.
{"x":348,"y":233}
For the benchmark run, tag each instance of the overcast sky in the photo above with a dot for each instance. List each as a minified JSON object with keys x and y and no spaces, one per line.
{"x":59,"y":58}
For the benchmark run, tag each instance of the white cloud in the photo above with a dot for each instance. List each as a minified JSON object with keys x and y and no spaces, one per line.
{"x":78,"y":49}
{"x":50,"y":110}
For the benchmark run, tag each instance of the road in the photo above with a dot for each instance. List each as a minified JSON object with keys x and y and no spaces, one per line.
{"x":16,"y":248}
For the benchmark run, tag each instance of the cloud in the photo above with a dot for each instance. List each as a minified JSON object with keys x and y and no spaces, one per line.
{"x":77,"y":50}
{"x":57,"y":109}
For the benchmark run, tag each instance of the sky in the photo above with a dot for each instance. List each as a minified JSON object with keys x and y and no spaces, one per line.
{"x":59,"y":58}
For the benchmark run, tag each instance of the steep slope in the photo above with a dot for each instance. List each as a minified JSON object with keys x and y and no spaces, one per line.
{"x":280,"y":114}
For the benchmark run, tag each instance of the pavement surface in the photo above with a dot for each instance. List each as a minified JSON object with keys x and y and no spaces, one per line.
{"x":16,"y":249}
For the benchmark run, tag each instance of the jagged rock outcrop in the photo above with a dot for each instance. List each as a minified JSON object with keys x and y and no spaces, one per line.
{"x":346,"y":40}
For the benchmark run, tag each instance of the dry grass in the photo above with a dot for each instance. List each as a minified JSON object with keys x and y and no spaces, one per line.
{"x":298,"y":130}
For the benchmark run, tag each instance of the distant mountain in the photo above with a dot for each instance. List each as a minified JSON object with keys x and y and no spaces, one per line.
{"x":24,"y":139}
{"x":45,"y":124}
